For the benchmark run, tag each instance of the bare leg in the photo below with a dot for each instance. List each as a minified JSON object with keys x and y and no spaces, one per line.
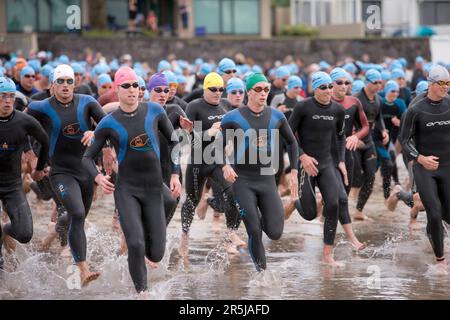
{"x":351,"y":237}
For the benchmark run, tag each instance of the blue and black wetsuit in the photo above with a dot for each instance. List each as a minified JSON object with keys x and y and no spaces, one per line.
{"x":139,"y":186}
{"x":65,"y":126}
{"x":14,"y":132}
{"x":426,"y":131}
{"x":255,"y":189}
{"x":316,"y":126}
{"x":366,"y":158}
{"x":199,"y":169}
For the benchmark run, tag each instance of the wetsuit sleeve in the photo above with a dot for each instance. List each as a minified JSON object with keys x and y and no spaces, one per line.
{"x":379,"y":123}
{"x":174,"y":116}
{"x":37,"y":132}
{"x":166,"y":128}
{"x":361,"y":119}
{"x":197,"y":93}
{"x":91,"y":152}
{"x":294,"y":122}
{"x":407,"y":130}
{"x":96,"y":111}
{"x":276,"y":101}
{"x":292,"y":146}
{"x":401,"y":107}
{"x":340,"y":134}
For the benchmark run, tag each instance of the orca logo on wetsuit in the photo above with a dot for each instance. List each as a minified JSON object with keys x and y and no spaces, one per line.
{"x":219,"y":117}
{"x":72,"y":131}
{"x":438,"y":123}
{"x":317,"y":117}
{"x":5,"y":147}
{"x":347,"y":116}
{"x":141,"y":143}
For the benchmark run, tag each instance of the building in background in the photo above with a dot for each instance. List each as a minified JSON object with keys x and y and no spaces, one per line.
{"x":184,"y":18}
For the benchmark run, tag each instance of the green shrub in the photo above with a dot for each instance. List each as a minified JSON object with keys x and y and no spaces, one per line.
{"x":299,"y":30}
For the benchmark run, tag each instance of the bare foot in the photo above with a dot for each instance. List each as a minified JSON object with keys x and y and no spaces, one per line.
{"x":413,"y":224}
{"x":289,"y":209}
{"x":151,"y":264}
{"x":354,"y":192}
{"x":392,"y":201}
{"x":123,"y":245}
{"x":202,"y":207}
{"x":65,"y":252}
{"x":330,"y":262}
{"x":9,"y":243}
{"x":442,"y":267}
{"x":183,"y":249}
{"x":51,"y":236}
{"x":358,"y":246}
{"x":238,"y":242}
{"x":358,"y":215}
{"x":88,"y":277}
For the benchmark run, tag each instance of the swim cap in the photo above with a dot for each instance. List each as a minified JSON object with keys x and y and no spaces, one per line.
{"x":46,"y":70}
{"x":124,"y":74}
{"x":63,"y":70}
{"x":350,"y":67}
{"x":205,"y":69}
{"x":157,"y":80}
{"x":103,"y":79}
{"x":226,"y":64}
{"x":338,"y":73}
{"x":395,"y":65}
{"x":319,"y":78}
{"x":294,"y":81}
{"x":257,"y":69}
{"x":324,"y":65}
{"x":255,"y":78}
{"x":35,"y":64}
{"x":212,"y":80}
{"x":20,"y":63}
{"x":385,"y":75}
{"x":63,"y":59}
{"x":357,"y":86}
{"x":390,"y":86}
{"x":403,"y":61}
{"x":235,"y":84}
{"x":163,"y":65}
{"x":181,"y":79}
{"x":99,"y":69}
{"x":372,"y":75}
{"x":282,"y":72}
{"x":438,"y":73}
{"x":141,"y":82}
{"x":397,"y":73}
{"x":7,"y":85}
{"x":26,"y":71}
{"x":421,"y":87}
{"x":78,"y":68}
{"x":419,"y":59}
{"x":170,"y":76}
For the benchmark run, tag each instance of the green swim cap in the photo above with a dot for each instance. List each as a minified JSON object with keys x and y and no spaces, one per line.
{"x":254,"y":79}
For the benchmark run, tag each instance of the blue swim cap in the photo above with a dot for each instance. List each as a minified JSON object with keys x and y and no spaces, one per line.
{"x":372,"y":75}
{"x":385,"y":75}
{"x":257,"y":69}
{"x":141,"y":82}
{"x":163,"y":65}
{"x":338,"y":73}
{"x":46,"y":70}
{"x":403,"y":61}
{"x":2,"y":71}
{"x":100,"y":69}
{"x":170,"y":76}
{"x":177,"y":71}
{"x":114,"y":65}
{"x":357,"y":86}
{"x":103,"y":79}
{"x":419,"y":59}
{"x":35,"y":64}
{"x":247,"y":75}
{"x":205,"y":69}
{"x":390,"y":86}
{"x":282,"y":72}
{"x":395,"y":65}
{"x":421,"y":87}
{"x":324,"y":65}
{"x":235,"y":84}
{"x":199,"y":61}
{"x":226,"y":64}
{"x":293,"y":68}
{"x":397,"y":73}
{"x":63,"y":59}
{"x":52,"y":74}
{"x":294,"y":81}
{"x":350,"y":67}
{"x":146,"y":95}
{"x":25,"y":71}
{"x":181,"y":79}
{"x":7,"y":85}
{"x":319,"y":78}
{"x":78,"y":68}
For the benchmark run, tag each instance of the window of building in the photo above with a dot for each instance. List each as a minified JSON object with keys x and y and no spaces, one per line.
{"x":434,"y":12}
{"x":38,"y":16}
{"x":312,"y":12}
{"x":227,"y":16}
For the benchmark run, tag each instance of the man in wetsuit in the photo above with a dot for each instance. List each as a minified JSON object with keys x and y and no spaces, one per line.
{"x":254,"y":164}
{"x":15,"y":127}
{"x":425,"y":136}
{"x":133,"y":130}
{"x":173,"y":85}
{"x":279,"y":84}
{"x":26,"y":84}
{"x":317,"y":121}
{"x":67,"y":118}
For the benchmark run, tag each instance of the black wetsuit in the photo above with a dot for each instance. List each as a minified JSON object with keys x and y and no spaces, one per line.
{"x":42,"y":95}
{"x":178,"y":101}
{"x":65,"y":126}
{"x":193,"y":95}
{"x":366,"y":158}
{"x":255,"y":187}
{"x":426,"y":131}
{"x":139,"y":184}
{"x":316,"y":125}
{"x":204,"y":115}
{"x":14,"y":132}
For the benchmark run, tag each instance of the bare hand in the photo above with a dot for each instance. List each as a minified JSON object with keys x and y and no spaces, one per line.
{"x":109,"y":159}
{"x":38,"y":175}
{"x":429,"y":163}
{"x":343,"y":170}
{"x":310,"y":165}
{"x":105,"y":183}
{"x":214,"y":129}
{"x":352,"y":143}
{"x":385,"y":138}
{"x":282,"y":108}
{"x":175,"y":185}
{"x":88,"y":136}
{"x":229,"y":174}
{"x":186,"y":124}
{"x":395,"y":121}
{"x":294,"y":184}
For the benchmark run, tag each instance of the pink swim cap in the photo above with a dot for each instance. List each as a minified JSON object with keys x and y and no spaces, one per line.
{"x":124,"y":74}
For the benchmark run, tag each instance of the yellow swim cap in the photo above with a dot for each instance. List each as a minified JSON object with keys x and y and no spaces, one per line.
{"x":213,"y":80}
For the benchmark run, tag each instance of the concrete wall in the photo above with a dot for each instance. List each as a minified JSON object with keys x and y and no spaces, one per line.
{"x":311,"y":50}
{"x":354,"y":30}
